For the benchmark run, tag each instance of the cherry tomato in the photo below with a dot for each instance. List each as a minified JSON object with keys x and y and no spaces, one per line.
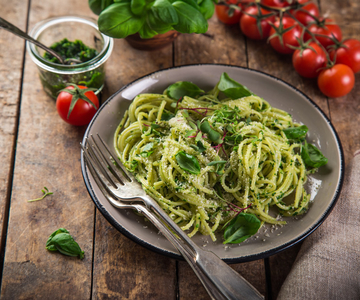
{"x":288,"y":38}
{"x":304,"y":15}
{"x":223,"y":11}
{"x":249,"y":27}
{"x":275,"y":3}
{"x":348,"y":54}
{"x":336,"y":81}
{"x":83,"y":111}
{"x":308,"y":63}
{"x":325,"y":27}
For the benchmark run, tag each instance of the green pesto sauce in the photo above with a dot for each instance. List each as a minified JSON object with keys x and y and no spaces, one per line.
{"x":67,"y":49}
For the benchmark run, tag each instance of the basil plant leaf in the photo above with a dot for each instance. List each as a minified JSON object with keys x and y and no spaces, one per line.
{"x":155,"y":24}
{"x":97,"y":6}
{"x":296,"y":133}
{"x":183,"y":88}
{"x":241,"y":228}
{"x":312,"y":156}
{"x":165,"y":12}
{"x":146,"y":32}
{"x":190,"y":19}
{"x":231,"y":88}
{"x":118,"y":21}
{"x":188,"y":163}
{"x":207,"y":8}
{"x":62,"y":241}
{"x":137,"y":6}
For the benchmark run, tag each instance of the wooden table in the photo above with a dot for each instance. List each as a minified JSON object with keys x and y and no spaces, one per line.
{"x":39,"y":149}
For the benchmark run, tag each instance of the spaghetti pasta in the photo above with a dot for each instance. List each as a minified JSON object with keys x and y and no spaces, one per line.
{"x":205,"y":160}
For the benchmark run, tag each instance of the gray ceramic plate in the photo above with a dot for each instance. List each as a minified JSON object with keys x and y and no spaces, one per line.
{"x":324,"y":186}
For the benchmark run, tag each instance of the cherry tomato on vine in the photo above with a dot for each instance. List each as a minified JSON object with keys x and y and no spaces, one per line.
{"x":308,"y":62}
{"x":305,"y":13}
{"x":325,"y":27}
{"x":249,"y":24}
{"x":288,"y":37}
{"x":336,"y":81}
{"x":275,"y":3}
{"x":86,"y":104}
{"x":348,"y":54}
{"x":227,"y":15}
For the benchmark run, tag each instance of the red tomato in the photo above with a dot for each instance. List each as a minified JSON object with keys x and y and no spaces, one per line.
{"x":288,"y":38}
{"x":306,"y":17}
{"x":249,"y":27}
{"x":222,"y":11}
{"x":336,"y":81}
{"x":82,"y":112}
{"x":325,"y":27}
{"x":308,"y":63}
{"x":275,"y":3}
{"x":348,"y":54}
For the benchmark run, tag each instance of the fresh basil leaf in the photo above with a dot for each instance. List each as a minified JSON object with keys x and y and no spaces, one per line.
{"x":146,"y":32}
{"x":137,"y":6}
{"x":166,"y":116}
{"x":190,"y":19}
{"x":241,"y":228}
{"x":165,"y":12}
{"x":220,"y":166}
{"x":187,"y":162}
{"x":231,"y":88}
{"x":190,"y":133}
{"x":62,"y":241}
{"x":200,"y":146}
{"x":207,"y":8}
{"x":193,"y":3}
{"x":217,"y":162}
{"x":97,"y":6}
{"x":183,"y":88}
{"x":312,"y":156}
{"x":212,"y":134}
{"x":118,"y":21}
{"x":296,"y":133}
{"x":198,"y":136}
{"x":155,"y":24}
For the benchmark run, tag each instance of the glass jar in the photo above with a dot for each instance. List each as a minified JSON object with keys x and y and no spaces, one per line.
{"x":55,"y":77}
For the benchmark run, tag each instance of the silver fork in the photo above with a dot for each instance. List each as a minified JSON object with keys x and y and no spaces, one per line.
{"x":219,"y":280}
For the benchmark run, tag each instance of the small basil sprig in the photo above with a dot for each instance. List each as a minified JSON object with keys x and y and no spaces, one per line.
{"x":188,"y":163}
{"x":296,"y":133}
{"x":212,"y":134}
{"x":240,"y":228}
{"x":183,"y":88}
{"x":312,"y":156}
{"x":60,"y":240}
{"x":231,"y":88}
{"x":147,"y":150}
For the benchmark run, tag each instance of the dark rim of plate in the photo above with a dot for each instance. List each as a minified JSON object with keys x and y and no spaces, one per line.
{"x":241,"y":259}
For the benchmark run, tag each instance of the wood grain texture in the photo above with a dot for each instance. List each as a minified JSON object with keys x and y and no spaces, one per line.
{"x":122,"y":268}
{"x":47,"y":154}
{"x":11,"y":59}
{"x":223,"y":45}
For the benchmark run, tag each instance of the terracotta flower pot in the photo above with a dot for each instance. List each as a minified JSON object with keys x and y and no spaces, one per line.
{"x":155,"y":43}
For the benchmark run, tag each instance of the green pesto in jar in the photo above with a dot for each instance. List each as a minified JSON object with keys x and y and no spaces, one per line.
{"x":53,"y":82}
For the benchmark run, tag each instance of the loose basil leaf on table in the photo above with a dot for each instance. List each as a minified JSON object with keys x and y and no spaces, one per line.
{"x":118,"y":21}
{"x":188,"y":163}
{"x":312,"y":156}
{"x":296,"y":133}
{"x":190,"y":19}
{"x":241,"y":228}
{"x":231,"y":88}
{"x":97,"y":6}
{"x":183,"y":88}
{"x":60,"y":240}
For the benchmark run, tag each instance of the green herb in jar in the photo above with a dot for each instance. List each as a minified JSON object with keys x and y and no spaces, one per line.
{"x":71,"y":50}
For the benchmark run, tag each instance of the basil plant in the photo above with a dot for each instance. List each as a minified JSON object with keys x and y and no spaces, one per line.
{"x":120,"y":18}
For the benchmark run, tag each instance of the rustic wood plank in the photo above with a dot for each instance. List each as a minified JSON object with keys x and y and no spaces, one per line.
{"x":224,"y":45}
{"x":123,"y":269}
{"x":11,"y":59}
{"x":47,"y":154}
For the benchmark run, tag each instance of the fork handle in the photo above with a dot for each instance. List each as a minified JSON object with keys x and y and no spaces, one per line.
{"x":219,"y":279}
